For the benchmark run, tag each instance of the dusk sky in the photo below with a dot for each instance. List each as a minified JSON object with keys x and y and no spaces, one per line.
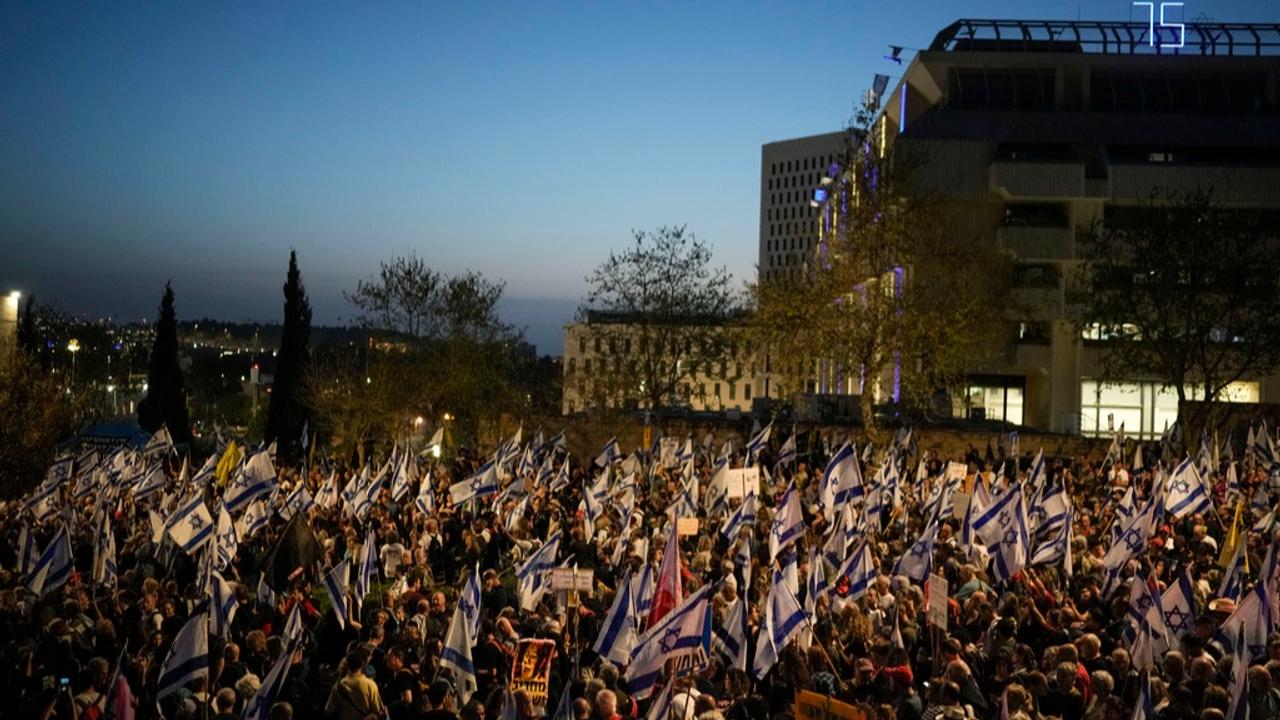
{"x":152,"y":141}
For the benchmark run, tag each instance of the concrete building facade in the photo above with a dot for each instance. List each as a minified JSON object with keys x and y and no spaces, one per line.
{"x":1034,"y":132}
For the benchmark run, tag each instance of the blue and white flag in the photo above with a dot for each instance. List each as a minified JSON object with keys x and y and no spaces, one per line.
{"x":150,"y":483}
{"x":1233,"y":577}
{"x":683,"y":631}
{"x":293,"y":627}
{"x":757,"y":443}
{"x":259,"y":706}
{"x":1011,"y":550}
{"x":469,"y":602}
{"x":426,"y":500}
{"x":731,"y":635}
{"x":1133,"y":536}
{"x":104,"y":554}
{"x":28,"y":555}
{"x":336,"y":582}
{"x":257,"y":479}
{"x":1239,"y":707}
{"x":788,"y":522}
{"x":254,"y":519}
{"x":1144,"y":709}
{"x":787,"y":454}
{"x":1049,"y":511}
{"x":482,"y":484}
{"x":54,"y":566}
{"x":841,"y":480}
{"x":328,"y":494}
{"x":992,"y":521}
{"x":223,"y":605}
{"x":191,"y":525}
{"x":783,"y":620}
{"x":618,"y":631}
{"x":367,"y":567}
{"x":860,"y":568}
{"x":744,"y":516}
{"x":299,"y":500}
{"x":404,"y":474}
{"x":456,"y":656}
{"x":1186,"y":494}
{"x":642,"y":589}
{"x":365,"y":496}
{"x":608,"y":453}
{"x":188,"y":657}
{"x":207,"y":471}
{"x":533,"y":574}
{"x":557,"y":440}
{"x":1057,"y":546}
{"x":1251,"y":623}
{"x":917,"y":561}
{"x":226,"y":538}
{"x":1178,"y":605}
{"x":660,"y":709}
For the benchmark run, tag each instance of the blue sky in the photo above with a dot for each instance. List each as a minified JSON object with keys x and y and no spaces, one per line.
{"x":199,"y":142}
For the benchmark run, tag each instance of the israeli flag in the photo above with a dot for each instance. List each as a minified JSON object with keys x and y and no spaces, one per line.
{"x":683,"y":631}
{"x":335,"y":583}
{"x":54,"y":566}
{"x":618,"y":632}
{"x":222,"y":600}
{"x":642,"y":589}
{"x":1050,"y":511}
{"x":860,"y":568}
{"x":1233,"y":578}
{"x":293,"y":627}
{"x":1178,"y":604}
{"x":787,"y":454}
{"x":256,"y":479}
{"x":608,"y":453}
{"x":259,"y":706}
{"x":456,"y":656}
{"x":366,"y":496}
{"x":1185,"y":493}
{"x":191,"y":525}
{"x":1239,"y":707}
{"x":253,"y":520}
{"x":188,"y":657}
{"x":731,"y":635}
{"x":482,"y":484}
{"x":531,"y":574}
{"x":404,"y":473}
{"x":991,"y":523}
{"x":841,"y":480}
{"x":788,"y":523}
{"x":917,"y":561}
{"x":469,"y":603}
{"x":743,"y":517}
{"x":1010,"y":552}
{"x":104,"y":555}
{"x":226,"y":538}
{"x":783,"y":620}
{"x":327,"y":495}
{"x":28,"y":555}
{"x":299,"y":500}
{"x":150,"y":484}
{"x":757,"y":443}
{"x":1057,"y":546}
{"x":367,"y":568}
{"x":426,"y":500}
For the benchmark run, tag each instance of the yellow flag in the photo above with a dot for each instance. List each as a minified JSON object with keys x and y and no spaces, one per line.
{"x":1234,"y":537}
{"x":228,"y":462}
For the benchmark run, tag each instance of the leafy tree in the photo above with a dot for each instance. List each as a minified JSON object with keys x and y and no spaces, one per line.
{"x":892,"y":299}
{"x":166,"y":400}
{"x":661,"y":297}
{"x":42,"y":414}
{"x":288,"y":412}
{"x":1185,"y":290}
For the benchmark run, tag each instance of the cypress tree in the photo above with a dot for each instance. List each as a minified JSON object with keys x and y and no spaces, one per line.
{"x":288,"y":412}
{"x":28,"y":335}
{"x":166,"y":400}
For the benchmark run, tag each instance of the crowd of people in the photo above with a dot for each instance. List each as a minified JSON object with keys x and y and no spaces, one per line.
{"x":890,"y":582}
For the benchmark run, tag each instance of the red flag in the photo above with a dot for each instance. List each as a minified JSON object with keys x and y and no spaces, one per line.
{"x":669,"y":591}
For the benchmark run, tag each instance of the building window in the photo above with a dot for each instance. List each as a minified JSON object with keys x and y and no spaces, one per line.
{"x":1146,"y":409}
{"x":1035,"y":215}
{"x":995,"y":398}
{"x":582,"y":346}
{"x":573,"y":365}
{"x":746,"y":391}
{"x":597,"y":345}
{"x":586,"y":365}
{"x":733,"y":391}
{"x":716,"y":386}
{"x":626,"y":346}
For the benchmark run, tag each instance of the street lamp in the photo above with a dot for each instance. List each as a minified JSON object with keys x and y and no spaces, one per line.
{"x":73,"y":347}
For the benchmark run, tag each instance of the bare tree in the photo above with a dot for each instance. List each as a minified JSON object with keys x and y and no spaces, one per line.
{"x":662,"y":298}
{"x":1184,"y":289}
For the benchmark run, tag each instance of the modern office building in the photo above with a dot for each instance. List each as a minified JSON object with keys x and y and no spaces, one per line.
{"x":790,"y":170}
{"x":1035,"y":131}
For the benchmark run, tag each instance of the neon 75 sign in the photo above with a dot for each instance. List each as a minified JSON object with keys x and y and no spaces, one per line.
{"x":1178,"y":29}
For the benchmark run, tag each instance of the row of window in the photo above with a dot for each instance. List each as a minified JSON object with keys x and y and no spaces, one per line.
{"x":787,"y":260}
{"x":613,"y":344}
{"x":789,"y":244}
{"x":790,"y":213}
{"x":790,"y":229}
{"x":810,"y":163}
{"x":795,"y":181}
{"x":791,"y":196}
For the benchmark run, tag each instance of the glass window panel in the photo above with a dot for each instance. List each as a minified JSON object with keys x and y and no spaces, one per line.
{"x":1121,"y":394}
